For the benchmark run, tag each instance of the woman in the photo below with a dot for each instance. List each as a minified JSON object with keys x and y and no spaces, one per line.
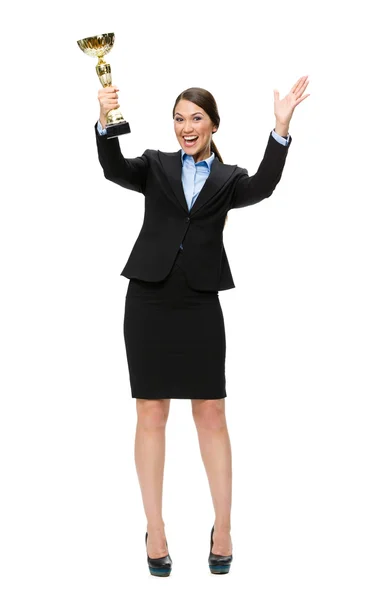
{"x":173,"y":325}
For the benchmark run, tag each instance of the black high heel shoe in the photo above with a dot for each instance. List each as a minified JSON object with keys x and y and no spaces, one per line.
{"x":218,"y":564}
{"x":161,"y":567}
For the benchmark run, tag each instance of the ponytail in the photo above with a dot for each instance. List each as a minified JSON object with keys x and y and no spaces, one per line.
{"x":214,"y":149}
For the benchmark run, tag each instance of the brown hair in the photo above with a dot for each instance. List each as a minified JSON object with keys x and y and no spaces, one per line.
{"x":206,"y":101}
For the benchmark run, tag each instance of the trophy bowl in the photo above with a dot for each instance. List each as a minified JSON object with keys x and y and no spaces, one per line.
{"x":97,"y":45}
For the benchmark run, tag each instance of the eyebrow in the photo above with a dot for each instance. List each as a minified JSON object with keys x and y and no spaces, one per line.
{"x":196,"y":113}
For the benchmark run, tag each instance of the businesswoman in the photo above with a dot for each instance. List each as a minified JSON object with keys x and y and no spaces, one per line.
{"x":173,"y":325}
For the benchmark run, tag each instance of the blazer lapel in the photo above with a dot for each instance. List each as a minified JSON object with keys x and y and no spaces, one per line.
{"x":219,"y":173}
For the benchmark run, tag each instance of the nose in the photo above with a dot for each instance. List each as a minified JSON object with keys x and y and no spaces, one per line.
{"x":187,"y":129}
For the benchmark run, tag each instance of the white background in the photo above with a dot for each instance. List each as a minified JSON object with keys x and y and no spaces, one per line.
{"x":299,"y":324}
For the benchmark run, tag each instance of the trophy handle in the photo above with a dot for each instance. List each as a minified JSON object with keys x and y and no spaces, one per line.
{"x":104,"y":73}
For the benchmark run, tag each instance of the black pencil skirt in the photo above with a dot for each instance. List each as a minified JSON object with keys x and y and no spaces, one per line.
{"x":175,"y":339}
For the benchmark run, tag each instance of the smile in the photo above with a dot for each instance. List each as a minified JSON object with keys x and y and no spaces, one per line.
{"x":189,"y":142}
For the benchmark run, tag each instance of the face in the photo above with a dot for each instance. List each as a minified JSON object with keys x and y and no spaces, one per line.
{"x":190,"y":120}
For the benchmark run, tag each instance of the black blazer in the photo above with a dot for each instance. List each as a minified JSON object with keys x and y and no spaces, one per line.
{"x":167,"y":219}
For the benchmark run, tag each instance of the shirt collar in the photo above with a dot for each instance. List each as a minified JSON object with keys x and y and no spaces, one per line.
{"x":208,"y":161}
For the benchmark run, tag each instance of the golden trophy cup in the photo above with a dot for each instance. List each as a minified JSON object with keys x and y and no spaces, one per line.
{"x":98,"y":46}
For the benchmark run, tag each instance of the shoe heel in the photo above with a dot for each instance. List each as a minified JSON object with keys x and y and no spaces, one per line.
{"x":219,"y":569}
{"x":160,"y":567}
{"x":218,"y":564}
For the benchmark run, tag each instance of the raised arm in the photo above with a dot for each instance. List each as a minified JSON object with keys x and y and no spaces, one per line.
{"x":130,"y":173}
{"x":250,"y":189}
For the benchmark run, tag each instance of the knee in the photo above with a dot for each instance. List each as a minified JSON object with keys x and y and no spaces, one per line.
{"x":209,"y":414}
{"x":152,"y":414}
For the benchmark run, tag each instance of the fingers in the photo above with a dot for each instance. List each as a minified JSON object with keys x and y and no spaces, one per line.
{"x":109,"y":92}
{"x":110,"y":89}
{"x":108,"y":98}
{"x":300,"y":85}
{"x":301,"y":99}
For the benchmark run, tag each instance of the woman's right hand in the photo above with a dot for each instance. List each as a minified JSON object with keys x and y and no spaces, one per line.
{"x":108,"y":99}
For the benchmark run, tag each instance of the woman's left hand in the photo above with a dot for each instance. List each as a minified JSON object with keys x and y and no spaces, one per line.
{"x":283,"y":109}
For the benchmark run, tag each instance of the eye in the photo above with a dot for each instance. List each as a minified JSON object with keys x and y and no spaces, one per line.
{"x":180,"y":118}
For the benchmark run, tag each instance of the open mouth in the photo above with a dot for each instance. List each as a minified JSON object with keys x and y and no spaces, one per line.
{"x":190,"y":142}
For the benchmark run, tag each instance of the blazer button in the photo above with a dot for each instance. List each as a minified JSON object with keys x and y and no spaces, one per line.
{"x":187,"y":219}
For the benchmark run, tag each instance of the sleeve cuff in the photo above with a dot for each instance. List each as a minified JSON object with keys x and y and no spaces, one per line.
{"x":100,"y":128}
{"x":280,"y":138}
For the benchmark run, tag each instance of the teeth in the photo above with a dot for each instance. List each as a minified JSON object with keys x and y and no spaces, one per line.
{"x":191,"y":138}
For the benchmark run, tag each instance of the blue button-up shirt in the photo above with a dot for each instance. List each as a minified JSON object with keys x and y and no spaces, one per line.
{"x":194,"y":174}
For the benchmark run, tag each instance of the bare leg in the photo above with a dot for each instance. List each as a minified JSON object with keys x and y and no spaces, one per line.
{"x":215,"y":448}
{"x":150,"y":460}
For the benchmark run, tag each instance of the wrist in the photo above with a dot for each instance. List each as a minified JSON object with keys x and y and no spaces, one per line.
{"x":281,"y":128}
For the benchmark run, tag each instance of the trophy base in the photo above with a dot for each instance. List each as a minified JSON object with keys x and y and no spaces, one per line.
{"x":116,"y":129}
